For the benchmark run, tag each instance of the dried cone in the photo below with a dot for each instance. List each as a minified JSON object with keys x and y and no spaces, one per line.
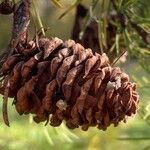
{"x":62,"y":81}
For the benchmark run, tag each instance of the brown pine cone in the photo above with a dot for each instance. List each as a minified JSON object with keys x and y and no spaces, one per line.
{"x":62,"y":81}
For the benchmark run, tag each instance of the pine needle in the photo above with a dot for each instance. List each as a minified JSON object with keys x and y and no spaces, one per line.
{"x":5,"y":103}
{"x":118,"y":58}
{"x":57,"y":3}
{"x":38,"y":16}
{"x":48,"y":137}
{"x":70,"y":8}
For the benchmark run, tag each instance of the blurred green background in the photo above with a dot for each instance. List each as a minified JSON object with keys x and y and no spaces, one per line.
{"x":24,"y":134}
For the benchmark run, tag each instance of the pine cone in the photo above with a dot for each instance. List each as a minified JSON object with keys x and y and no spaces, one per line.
{"x":62,"y":81}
